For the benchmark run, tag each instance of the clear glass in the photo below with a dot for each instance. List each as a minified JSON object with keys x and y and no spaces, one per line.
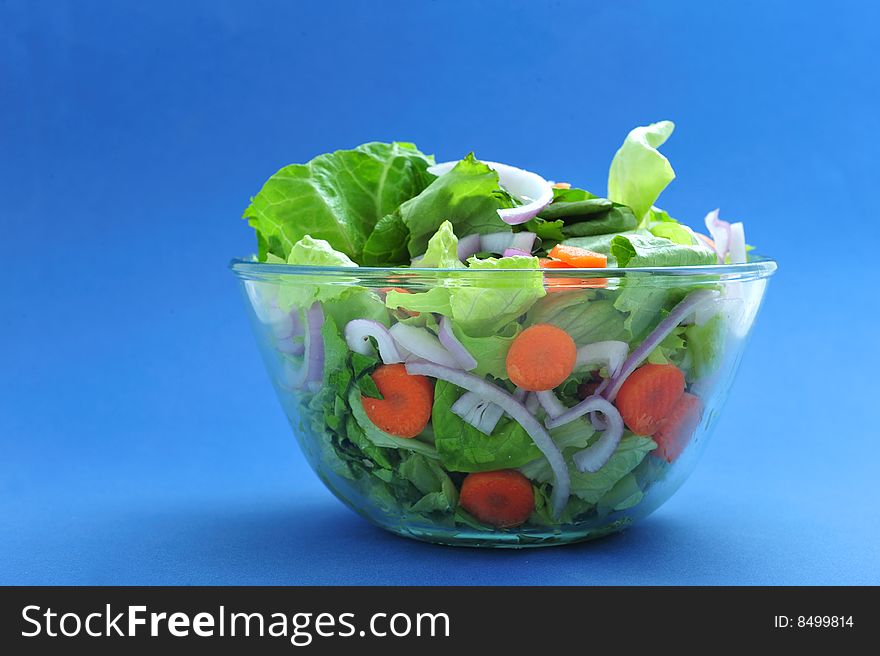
{"x":366,"y":475}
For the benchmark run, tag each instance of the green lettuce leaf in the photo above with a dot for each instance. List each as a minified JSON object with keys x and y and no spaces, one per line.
{"x":583,"y":214}
{"x":469,"y":196}
{"x":490,"y":352}
{"x":465,"y":449}
{"x":639,"y":173}
{"x":705,"y":346}
{"x":442,"y":251}
{"x":643,"y":301}
{"x":483,"y":309}
{"x":582,"y":314}
{"x":591,"y":487}
{"x":638,"y":250}
{"x":304,"y":291}
{"x":601,"y":243}
{"x":338,"y":197}
{"x":380,"y":437}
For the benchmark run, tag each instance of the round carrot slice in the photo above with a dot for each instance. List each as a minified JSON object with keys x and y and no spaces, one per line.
{"x":647,"y":396}
{"x":541,"y":357}
{"x":502,"y":498}
{"x":676,"y":430}
{"x":406,"y":407}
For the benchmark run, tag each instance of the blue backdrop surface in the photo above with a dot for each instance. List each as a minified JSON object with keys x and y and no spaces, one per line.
{"x":140,"y":441}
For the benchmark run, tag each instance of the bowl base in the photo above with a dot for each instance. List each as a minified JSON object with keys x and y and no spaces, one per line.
{"x":511,"y":539}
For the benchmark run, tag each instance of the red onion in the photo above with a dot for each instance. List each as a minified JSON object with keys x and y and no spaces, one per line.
{"x":480,"y":414}
{"x":497,"y":242}
{"x":552,"y":406}
{"x":535,"y":192}
{"x":515,"y":252}
{"x":524,"y":241}
{"x":311,"y":371}
{"x":448,"y":339}
{"x":489,"y":392}
{"x":531,"y":402}
{"x":422,"y":344}
{"x":358,"y":333}
{"x":737,"y":243}
{"x":595,"y":456}
{"x":468,"y":246}
{"x":720,"y":231}
{"x":315,"y":349}
{"x":610,"y":354}
{"x":287,"y":345}
{"x":685,"y":308}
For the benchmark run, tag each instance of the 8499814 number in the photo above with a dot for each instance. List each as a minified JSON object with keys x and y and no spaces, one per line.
{"x":824,"y":621}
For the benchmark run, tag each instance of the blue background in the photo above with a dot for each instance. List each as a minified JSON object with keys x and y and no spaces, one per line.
{"x":140,"y":442}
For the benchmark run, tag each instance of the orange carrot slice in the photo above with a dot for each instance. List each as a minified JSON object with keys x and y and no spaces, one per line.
{"x":406,"y":407}
{"x":541,"y":357}
{"x":678,"y":427}
{"x":578,"y":257}
{"x":502,"y":498}
{"x":648,"y":395}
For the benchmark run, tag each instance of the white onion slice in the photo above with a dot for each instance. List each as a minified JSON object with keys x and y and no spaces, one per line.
{"x":611,"y":354}
{"x":552,"y":406}
{"x":530,"y":188}
{"x":489,"y":392}
{"x":450,"y":342}
{"x":358,"y":333}
{"x":422,"y":344}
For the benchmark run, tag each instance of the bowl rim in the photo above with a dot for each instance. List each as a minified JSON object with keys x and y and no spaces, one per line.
{"x":758,"y":267}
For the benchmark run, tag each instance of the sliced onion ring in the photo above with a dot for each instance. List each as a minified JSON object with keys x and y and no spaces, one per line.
{"x":535,"y":192}
{"x":493,"y":394}
{"x":468,"y":246}
{"x":357,"y":336}
{"x":515,"y":252}
{"x":597,"y":455}
{"x":611,"y":354}
{"x":480,"y":414}
{"x":720,"y":231}
{"x":552,"y":405}
{"x":450,"y":342}
{"x":737,"y":243}
{"x":311,"y":371}
{"x":423,"y":344}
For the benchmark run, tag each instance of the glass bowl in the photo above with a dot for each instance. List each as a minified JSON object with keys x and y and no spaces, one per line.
{"x":655,"y":355}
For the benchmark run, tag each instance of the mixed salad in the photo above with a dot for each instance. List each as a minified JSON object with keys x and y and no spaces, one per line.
{"x":534,"y":391}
